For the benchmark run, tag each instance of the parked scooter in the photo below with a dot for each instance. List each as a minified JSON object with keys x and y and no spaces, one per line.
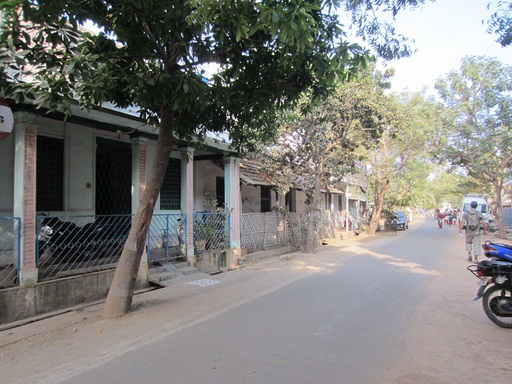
{"x":495,"y":285}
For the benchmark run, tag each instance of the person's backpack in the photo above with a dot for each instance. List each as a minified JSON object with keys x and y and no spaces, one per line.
{"x":474,"y":221}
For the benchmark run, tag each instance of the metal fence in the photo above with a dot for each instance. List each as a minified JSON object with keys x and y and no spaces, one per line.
{"x":167,"y":237}
{"x":10,"y":237}
{"x":262,"y":231}
{"x":211,"y":231}
{"x":79,"y":244}
{"x":74,"y":245}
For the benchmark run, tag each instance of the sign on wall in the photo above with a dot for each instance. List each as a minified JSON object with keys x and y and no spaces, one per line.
{"x":6,"y":119}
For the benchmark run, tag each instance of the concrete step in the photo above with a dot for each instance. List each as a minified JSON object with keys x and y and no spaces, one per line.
{"x":162,"y":275}
{"x":159,"y":277}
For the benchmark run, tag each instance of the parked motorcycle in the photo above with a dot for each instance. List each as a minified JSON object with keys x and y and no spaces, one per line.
{"x":495,"y":285}
{"x":64,"y":242}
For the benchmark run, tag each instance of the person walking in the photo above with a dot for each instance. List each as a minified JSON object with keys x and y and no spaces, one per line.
{"x":394,"y":225}
{"x":473,"y":221}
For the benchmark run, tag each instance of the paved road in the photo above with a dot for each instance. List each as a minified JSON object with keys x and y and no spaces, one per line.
{"x":343,"y":324}
{"x":385,"y":310}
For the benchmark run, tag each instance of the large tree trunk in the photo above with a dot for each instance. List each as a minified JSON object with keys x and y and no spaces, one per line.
{"x":121,"y":291}
{"x":498,"y":189}
{"x":377,"y":210}
{"x":309,"y":244}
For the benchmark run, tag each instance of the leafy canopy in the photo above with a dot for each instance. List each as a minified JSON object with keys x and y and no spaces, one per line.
{"x":152,"y":54}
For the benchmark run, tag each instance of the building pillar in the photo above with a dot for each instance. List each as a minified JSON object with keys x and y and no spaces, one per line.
{"x":187,"y":200}
{"x":232,"y":200}
{"x":25,"y":160}
{"x":139,"y":161}
{"x":139,"y":151}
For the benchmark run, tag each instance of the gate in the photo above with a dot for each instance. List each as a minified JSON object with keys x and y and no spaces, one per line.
{"x":166,"y":238}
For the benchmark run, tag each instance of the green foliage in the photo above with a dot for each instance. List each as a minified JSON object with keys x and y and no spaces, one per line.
{"x":318,"y":143}
{"x":399,"y":162}
{"x":152,"y":54}
{"x":479,"y":96}
{"x":500,"y":22}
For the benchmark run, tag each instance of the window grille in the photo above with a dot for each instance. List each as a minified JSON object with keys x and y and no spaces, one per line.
{"x":170,"y":194}
{"x":289,"y":200}
{"x":113,"y":177}
{"x":50,"y":174}
{"x":265,"y":199}
{"x":220,"y":192}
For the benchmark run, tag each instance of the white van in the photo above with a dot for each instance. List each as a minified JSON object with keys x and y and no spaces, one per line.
{"x":482,"y":205}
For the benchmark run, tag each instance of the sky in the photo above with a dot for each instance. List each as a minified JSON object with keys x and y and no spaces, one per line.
{"x":444,"y":32}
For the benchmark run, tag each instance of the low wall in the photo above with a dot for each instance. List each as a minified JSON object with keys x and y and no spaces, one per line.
{"x":20,"y":303}
{"x":251,"y":257}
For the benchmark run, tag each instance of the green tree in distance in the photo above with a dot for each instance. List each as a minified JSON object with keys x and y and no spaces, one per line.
{"x":151,"y":54}
{"x":315,"y":147}
{"x":479,"y":96}
{"x":399,"y":158}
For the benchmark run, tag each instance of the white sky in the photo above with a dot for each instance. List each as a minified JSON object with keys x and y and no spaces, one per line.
{"x":444,"y":32}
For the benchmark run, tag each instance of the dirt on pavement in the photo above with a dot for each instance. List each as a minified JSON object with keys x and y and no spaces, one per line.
{"x":435,"y":351}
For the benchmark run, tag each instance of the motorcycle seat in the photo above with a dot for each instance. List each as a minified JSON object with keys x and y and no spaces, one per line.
{"x":508,"y":246}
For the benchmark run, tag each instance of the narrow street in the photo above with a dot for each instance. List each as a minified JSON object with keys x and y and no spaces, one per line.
{"x":384,"y":309}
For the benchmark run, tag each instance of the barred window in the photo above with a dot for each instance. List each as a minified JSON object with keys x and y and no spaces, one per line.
{"x":266,"y":203}
{"x":220,"y":192}
{"x":170,"y":194}
{"x":289,"y":200}
{"x":50,"y":174}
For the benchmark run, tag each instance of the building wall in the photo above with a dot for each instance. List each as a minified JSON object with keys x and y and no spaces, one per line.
{"x":79,"y":161}
{"x":251,"y":199}
{"x":205,"y":182}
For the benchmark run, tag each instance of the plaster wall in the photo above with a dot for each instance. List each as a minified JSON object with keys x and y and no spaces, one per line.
{"x":205,"y":182}
{"x":300,"y":206}
{"x":251,"y":199}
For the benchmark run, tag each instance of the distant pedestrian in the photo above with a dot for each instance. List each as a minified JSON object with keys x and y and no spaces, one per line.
{"x":440,"y":218}
{"x":394,"y":225}
{"x":474,"y":222}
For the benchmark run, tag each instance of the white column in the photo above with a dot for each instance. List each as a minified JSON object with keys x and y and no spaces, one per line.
{"x":139,"y":158}
{"x":187,"y":198}
{"x":232,"y":200}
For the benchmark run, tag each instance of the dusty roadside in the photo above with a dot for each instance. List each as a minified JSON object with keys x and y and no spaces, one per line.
{"x":449,"y":339}
{"x":45,"y":349}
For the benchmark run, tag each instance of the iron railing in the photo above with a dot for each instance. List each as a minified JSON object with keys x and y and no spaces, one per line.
{"x":263,"y":231}
{"x":10,"y":238}
{"x":79,"y":244}
{"x":74,"y":245}
{"x":211,"y":231}
{"x":166,"y":237}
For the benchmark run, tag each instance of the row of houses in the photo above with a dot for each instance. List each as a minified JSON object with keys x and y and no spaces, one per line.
{"x":94,"y":166}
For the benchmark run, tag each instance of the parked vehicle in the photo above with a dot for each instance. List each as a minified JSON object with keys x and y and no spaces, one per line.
{"x":403,"y":223}
{"x":495,"y":285}
{"x":65,"y":242}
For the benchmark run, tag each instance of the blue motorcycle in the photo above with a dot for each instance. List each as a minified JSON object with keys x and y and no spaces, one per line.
{"x":495,"y":285}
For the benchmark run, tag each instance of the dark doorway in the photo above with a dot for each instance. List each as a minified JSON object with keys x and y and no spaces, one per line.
{"x":113,"y":177}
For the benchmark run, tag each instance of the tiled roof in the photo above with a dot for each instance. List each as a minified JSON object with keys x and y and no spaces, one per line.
{"x":251,"y":173}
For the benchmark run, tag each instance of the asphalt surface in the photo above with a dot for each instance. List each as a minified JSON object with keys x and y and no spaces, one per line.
{"x":384,"y":309}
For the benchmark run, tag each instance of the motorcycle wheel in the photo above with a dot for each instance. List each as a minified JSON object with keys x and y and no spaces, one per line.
{"x":495,"y":296}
